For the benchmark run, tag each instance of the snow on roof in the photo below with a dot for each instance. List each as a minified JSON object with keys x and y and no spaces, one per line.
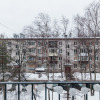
{"x":60,"y":37}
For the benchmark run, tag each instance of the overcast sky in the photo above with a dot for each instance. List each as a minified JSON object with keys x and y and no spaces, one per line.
{"x":15,"y":14}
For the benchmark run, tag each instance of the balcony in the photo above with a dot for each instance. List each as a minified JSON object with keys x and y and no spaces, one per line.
{"x":26,"y":90}
{"x":83,"y":62}
{"x":83,"y":58}
{"x":83,"y":54}
{"x":53,"y":62}
{"x":53,"y":54}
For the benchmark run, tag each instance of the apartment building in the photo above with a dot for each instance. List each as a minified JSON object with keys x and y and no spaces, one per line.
{"x":54,"y":53}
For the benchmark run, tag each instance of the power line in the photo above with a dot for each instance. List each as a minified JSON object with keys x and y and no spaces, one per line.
{"x":7,"y":27}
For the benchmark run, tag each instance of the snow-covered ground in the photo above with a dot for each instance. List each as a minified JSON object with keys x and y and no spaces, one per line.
{"x":40,"y":95}
{"x":43,"y":76}
{"x":55,"y":76}
{"x":86,"y":76}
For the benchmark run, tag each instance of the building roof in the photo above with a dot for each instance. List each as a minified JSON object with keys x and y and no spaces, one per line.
{"x":53,"y":38}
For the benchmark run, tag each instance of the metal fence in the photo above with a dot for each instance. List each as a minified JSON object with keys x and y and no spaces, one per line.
{"x":75,"y":84}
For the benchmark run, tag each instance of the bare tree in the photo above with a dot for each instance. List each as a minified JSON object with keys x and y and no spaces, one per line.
{"x":43,"y":26}
{"x":89,"y":26}
{"x":92,"y":14}
{"x":64,"y":22}
{"x":56,"y":30}
{"x":19,"y":49}
{"x":40,"y":28}
{"x":5,"y":60}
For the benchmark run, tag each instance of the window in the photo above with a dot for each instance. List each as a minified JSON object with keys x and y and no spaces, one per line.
{"x":53,"y":58}
{"x":82,"y":50}
{"x":60,"y":43}
{"x":39,"y":65}
{"x":75,"y":65}
{"x":39,"y":50}
{"x":83,"y":58}
{"x":25,"y":43}
{"x":59,"y":65}
{"x":90,"y":65}
{"x":52,"y":50}
{"x":60,"y":50}
{"x":39,"y":43}
{"x":53,"y":66}
{"x":96,"y":58}
{"x":17,"y":53}
{"x":83,"y":43}
{"x":96,"y":51}
{"x":90,"y":58}
{"x":96,"y":65}
{"x":60,"y":58}
{"x":67,"y":46}
{"x":31,"y":50}
{"x":96,"y":43}
{"x":17,"y":46}
{"x":68,"y":61}
{"x":68,"y":53}
{"x":39,"y":58}
{"x":9,"y":43}
{"x":75,"y":43}
{"x":83,"y":66}
{"x":75,"y":51}
{"x":90,"y":51}
{"x":31,"y":58}
{"x":52,"y":44}
{"x":31,"y":43}
{"x":91,"y":43}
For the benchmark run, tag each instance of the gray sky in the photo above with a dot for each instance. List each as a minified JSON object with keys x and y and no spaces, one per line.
{"x":15,"y":14}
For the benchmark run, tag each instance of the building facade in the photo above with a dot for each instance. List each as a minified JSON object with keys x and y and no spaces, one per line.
{"x":54,"y":53}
